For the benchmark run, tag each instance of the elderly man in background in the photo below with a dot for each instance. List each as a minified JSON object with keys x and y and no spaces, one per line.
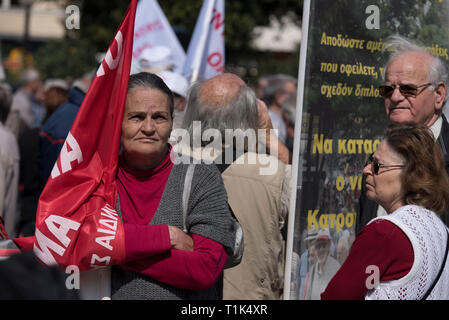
{"x":57,"y":126}
{"x":9,"y":167}
{"x":415,"y":91}
{"x":26,"y":113}
{"x":323,"y":269}
{"x":55,"y":93}
{"x":225,"y":104}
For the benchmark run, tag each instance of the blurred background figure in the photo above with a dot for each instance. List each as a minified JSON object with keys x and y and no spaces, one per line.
{"x":311,"y":260}
{"x":57,"y":126}
{"x":26,"y":111}
{"x":343,"y":247}
{"x":179,"y":86}
{"x":304,"y":262}
{"x":262,"y":83}
{"x":9,"y":166}
{"x":279,"y":89}
{"x":324,"y":268}
{"x":23,"y":277}
{"x":289,"y":117}
{"x":55,"y":92}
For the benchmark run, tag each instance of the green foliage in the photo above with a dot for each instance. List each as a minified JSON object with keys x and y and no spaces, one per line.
{"x":101,"y":18}
{"x":65,"y":58}
{"x":241,"y":17}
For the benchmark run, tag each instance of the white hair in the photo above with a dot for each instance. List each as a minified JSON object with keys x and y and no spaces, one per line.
{"x":398,"y":45}
{"x":238,"y":113}
{"x":29,"y":75}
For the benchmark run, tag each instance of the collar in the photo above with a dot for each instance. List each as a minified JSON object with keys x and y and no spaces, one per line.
{"x":436,"y":127}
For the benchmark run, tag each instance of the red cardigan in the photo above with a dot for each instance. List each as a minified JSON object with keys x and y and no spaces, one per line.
{"x":148,"y":249}
{"x":381,"y":244}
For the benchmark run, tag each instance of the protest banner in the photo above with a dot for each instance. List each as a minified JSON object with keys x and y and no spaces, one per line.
{"x":341,"y":118}
{"x":206,"y":52}
{"x":152,"y":30}
{"x":76,"y":221}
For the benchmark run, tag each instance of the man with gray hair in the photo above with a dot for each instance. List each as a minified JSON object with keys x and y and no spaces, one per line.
{"x":224,"y":105}
{"x":415,"y":90}
{"x":9,"y":166}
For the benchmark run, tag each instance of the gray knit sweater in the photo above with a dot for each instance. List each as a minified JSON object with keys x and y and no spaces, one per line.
{"x":208,"y":215}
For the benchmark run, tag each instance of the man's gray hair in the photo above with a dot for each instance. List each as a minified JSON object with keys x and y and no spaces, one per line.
{"x":29,"y":75}
{"x":238,"y":113}
{"x":398,"y":45}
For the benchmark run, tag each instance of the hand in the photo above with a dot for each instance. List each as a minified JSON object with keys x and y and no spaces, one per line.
{"x":179,"y":239}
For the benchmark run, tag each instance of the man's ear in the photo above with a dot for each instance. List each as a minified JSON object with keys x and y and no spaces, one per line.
{"x":440,"y":91}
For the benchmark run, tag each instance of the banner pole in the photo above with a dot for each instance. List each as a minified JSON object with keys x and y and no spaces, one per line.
{"x":202,"y":42}
{"x":296,"y":184}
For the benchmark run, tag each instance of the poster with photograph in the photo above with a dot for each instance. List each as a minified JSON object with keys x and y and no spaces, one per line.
{"x":340,"y":121}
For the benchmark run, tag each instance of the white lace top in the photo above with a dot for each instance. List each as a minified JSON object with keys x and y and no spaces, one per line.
{"x":428,"y":236}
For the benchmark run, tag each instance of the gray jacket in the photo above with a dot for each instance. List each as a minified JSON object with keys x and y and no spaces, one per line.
{"x":208,"y":215}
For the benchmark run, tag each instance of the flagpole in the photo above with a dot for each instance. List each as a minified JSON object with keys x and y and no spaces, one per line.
{"x":296,"y":181}
{"x":202,"y":41}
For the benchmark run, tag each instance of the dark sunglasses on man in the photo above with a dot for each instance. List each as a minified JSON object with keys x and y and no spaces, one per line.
{"x":407,"y":90}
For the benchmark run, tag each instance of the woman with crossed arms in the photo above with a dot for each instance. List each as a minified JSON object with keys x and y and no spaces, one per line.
{"x":162,"y":261}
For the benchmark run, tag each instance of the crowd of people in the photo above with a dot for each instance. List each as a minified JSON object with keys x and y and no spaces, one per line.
{"x":182,"y":222}
{"x":38,"y":114}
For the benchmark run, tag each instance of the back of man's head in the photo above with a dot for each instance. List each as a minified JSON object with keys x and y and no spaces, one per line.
{"x":222,"y":102}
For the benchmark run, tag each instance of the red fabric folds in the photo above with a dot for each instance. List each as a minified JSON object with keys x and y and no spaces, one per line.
{"x":76,"y":221}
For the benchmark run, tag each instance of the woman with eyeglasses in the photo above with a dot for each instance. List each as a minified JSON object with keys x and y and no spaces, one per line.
{"x":403,"y":255}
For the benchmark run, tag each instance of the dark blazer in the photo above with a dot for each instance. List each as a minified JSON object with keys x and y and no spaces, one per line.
{"x":368,"y":208}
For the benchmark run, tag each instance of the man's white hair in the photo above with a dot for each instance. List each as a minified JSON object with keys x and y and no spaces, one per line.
{"x":397,"y":45}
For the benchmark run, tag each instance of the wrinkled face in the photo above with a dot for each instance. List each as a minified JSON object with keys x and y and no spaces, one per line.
{"x":146,"y":124}
{"x":385,"y":187}
{"x":412,"y":68}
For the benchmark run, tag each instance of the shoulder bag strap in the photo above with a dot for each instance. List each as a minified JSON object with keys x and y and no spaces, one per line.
{"x":186,"y":193}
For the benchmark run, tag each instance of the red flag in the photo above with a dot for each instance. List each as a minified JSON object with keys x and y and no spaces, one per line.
{"x":76,"y":221}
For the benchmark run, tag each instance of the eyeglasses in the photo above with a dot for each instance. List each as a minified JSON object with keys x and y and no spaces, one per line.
{"x":407,"y":90}
{"x":376,"y":165}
